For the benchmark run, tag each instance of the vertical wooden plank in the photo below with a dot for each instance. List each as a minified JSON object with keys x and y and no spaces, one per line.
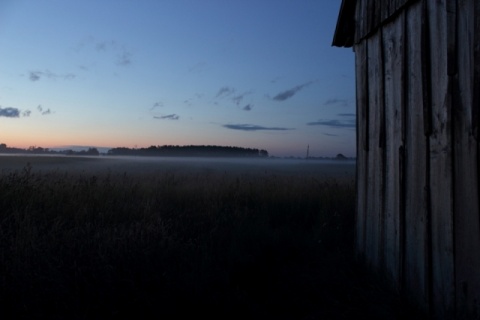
{"x":476,"y":76}
{"x":377,"y":14}
{"x":361,"y":66}
{"x":466,"y":206}
{"x":415,"y":270}
{"x":393,"y":43}
{"x":441,"y":180}
{"x":370,"y":15}
{"x":360,"y":19}
{"x":374,"y":216}
{"x":385,"y":12}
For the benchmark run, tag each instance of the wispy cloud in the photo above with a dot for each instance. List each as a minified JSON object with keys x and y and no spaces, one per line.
{"x":197,"y":68}
{"x":347,"y":114}
{"x":238,"y":98}
{"x":158,"y":104}
{"x":330,"y":134}
{"x":102,"y":45}
{"x":333,"y":123}
{"x":9,"y":112}
{"x":42,"y":111}
{"x":287,"y":94}
{"x":26,"y":113}
{"x":168,"y":117}
{"x":248,"y":107}
{"x":34,"y":76}
{"x":274,"y":80}
{"x":253,"y":127}
{"x":37,"y":75}
{"x":190,"y":101}
{"x":122,"y":56}
{"x":224,"y":92}
{"x":336,"y":102}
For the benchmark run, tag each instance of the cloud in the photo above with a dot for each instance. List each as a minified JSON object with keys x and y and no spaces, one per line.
{"x":157,"y":104}
{"x":34,"y":76}
{"x":248,"y":107}
{"x":43,"y":112}
{"x":347,"y":114}
{"x":224,"y":92}
{"x":48,"y":111}
{"x":336,"y":102}
{"x":26,"y":113}
{"x":330,"y":134}
{"x":68,"y":76}
{"x":9,"y":112}
{"x":168,"y":117}
{"x":102,"y":45}
{"x":37,"y":75}
{"x":124,"y":58}
{"x":333,"y":123}
{"x":274,"y":80}
{"x":287,"y":94}
{"x":197,"y":68}
{"x":197,"y":96}
{"x":238,"y":99}
{"x":252,"y":127}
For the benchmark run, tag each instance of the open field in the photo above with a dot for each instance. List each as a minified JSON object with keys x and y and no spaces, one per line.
{"x":324,"y":169}
{"x":86,"y":238}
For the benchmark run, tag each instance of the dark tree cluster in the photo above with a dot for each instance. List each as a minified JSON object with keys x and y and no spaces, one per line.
{"x":33,"y":149}
{"x":189,"y":151}
{"x":89,"y":152}
{"x":39,"y":150}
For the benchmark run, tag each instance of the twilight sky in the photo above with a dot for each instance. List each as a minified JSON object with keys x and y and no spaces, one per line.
{"x":111,"y":73}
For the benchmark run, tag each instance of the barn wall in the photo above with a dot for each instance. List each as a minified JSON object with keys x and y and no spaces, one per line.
{"x":418,"y":102}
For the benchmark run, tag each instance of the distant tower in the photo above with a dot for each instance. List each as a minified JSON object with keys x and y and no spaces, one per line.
{"x":308,"y":152}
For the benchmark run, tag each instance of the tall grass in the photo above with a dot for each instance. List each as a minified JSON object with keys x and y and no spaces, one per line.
{"x":78,"y":245}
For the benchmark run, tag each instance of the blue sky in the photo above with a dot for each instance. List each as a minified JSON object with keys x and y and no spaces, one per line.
{"x":111,"y":73}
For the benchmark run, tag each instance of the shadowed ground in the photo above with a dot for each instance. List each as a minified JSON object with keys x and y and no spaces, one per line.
{"x":86,"y":238}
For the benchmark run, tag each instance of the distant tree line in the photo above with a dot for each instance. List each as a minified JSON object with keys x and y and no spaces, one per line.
{"x":162,"y":151}
{"x":88,"y":152}
{"x":40,"y":150}
{"x":189,"y":151}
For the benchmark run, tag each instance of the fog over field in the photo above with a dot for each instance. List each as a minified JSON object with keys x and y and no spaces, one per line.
{"x":146,"y":165}
{"x":220,"y":238}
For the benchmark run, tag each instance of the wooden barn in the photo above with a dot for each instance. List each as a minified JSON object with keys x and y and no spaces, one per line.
{"x":418,"y":103}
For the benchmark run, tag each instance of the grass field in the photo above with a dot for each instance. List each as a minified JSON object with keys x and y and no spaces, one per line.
{"x":88,"y":238}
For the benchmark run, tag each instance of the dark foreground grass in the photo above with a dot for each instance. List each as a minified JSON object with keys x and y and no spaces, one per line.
{"x":83,"y":246}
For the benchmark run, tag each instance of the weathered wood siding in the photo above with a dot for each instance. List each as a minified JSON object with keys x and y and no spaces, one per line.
{"x":418,"y":103}
{"x":415,"y":179}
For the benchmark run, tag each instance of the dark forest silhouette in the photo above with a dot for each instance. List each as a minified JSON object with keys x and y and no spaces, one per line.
{"x":159,"y":151}
{"x":189,"y":151}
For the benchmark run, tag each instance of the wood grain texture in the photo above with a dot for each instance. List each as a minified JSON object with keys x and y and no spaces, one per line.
{"x":394,"y":59}
{"x":441,"y":178}
{"x":361,"y":67}
{"x":374,"y":218}
{"x":373,"y":14}
{"x":416,"y":267}
{"x":465,"y":148}
{"x":418,"y":107}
